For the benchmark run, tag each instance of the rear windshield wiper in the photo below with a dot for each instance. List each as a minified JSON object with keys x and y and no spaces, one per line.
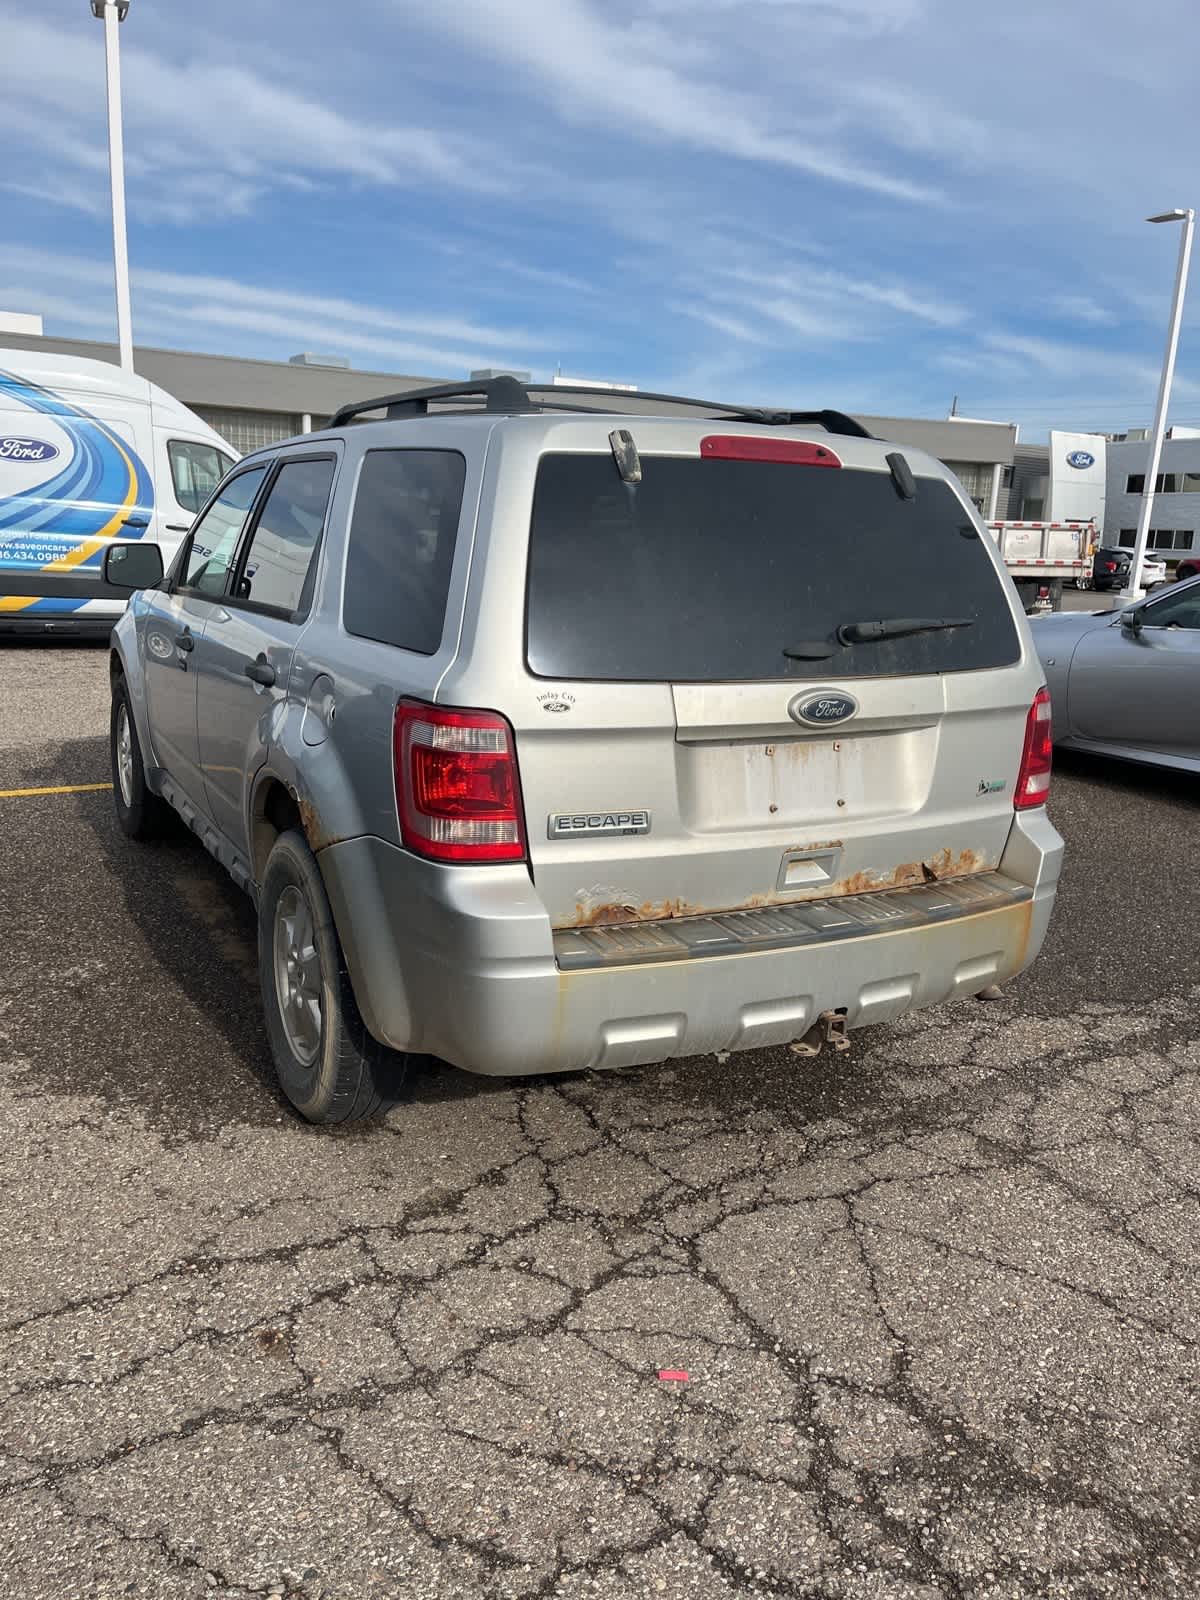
{"x":865,"y":632}
{"x":897,"y":628}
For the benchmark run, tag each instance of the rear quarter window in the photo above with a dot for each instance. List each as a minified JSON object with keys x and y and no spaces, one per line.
{"x":708,"y":570}
{"x":401,"y":548}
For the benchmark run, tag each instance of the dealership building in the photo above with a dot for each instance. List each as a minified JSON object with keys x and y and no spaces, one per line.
{"x":1116,"y":490}
{"x":256,"y":403}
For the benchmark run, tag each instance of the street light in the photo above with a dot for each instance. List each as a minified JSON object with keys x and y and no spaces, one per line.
{"x":1133,"y":589}
{"x":112,"y":12}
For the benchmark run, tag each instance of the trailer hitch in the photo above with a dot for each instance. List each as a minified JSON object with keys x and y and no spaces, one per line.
{"x":829,"y":1028}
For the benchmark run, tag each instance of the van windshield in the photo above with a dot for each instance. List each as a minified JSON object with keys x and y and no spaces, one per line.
{"x":709,"y":570}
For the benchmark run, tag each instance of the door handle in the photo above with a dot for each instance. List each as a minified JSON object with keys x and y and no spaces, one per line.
{"x":184,"y":640}
{"x":138,"y":519}
{"x":178,"y":527}
{"x":260,"y":671}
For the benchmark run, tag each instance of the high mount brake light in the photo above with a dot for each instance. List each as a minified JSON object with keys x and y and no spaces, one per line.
{"x":753,"y":447}
{"x":458,"y":793}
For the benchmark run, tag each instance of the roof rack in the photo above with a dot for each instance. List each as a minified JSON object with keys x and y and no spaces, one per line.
{"x":508,"y":396}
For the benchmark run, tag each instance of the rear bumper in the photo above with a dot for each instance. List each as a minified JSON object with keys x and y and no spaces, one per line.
{"x":461,"y":963}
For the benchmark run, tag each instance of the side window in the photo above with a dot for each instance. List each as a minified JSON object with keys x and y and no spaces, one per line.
{"x":401,"y":549}
{"x":215,"y":537}
{"x":1180,"y":610}
{"x":196,"y":470}
{"x":286,"y":537}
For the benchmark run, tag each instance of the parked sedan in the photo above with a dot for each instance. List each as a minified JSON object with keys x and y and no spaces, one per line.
{"x":1127,"y":682}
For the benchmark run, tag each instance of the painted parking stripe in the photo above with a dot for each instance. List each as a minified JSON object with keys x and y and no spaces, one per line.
{"x":57,"y":788}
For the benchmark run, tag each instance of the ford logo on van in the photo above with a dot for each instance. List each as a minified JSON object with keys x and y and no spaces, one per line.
{"x":1081,"y":459}
{"x":820,"y":710}
{"x":17,"y":449}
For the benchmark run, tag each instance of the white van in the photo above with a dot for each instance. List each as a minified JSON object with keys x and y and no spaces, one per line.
{"x":89,"y":453}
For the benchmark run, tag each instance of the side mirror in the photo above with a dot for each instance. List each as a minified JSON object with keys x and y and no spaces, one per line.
{"x":136,"y":565}
{"x":1131,"y":619}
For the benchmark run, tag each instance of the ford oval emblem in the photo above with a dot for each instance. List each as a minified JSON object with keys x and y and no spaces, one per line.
{"x":822,"y":710}
{"x":15,"y":448}
{"x":1081,"y":459}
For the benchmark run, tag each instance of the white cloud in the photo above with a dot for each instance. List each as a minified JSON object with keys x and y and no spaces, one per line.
{"x":1082,"y":308}
{"x":601,"y":73}
{"x":735,"y":327}
{"x":208,"y":138}
{"x":821,"y":304}
{"x":179,"y":301}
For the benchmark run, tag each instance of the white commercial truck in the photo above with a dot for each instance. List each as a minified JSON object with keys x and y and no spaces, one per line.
{"x":1042,"y":556}
{"x":89,"y":453}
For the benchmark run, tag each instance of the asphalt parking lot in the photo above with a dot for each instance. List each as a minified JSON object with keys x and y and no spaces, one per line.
{"x":936,"y":1300}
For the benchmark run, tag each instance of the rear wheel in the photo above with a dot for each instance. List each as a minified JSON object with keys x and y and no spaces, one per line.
{"x":328,"y":1064}
{"x":140,"y":812}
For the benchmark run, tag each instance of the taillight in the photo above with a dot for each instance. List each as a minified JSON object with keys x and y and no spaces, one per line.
{"x":1110,"y":566}
{"x":457,"y":790}
{"x":1033,"y":780}
{"x":753,"y":447}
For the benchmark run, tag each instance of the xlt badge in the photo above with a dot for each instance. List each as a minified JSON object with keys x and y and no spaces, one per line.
{"x":583,"y":824}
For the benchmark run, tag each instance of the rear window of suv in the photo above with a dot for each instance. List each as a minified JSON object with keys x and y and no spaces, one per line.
{"x":708,"y":570}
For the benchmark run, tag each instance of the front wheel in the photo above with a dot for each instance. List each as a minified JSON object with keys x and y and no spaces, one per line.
{"x":141,"y":814}
{"x":328,"y":1064}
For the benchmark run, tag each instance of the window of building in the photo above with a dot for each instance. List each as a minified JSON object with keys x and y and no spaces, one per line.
{"x":196,"y":470}
{"x":402,"y":539}
{"x":1159,"y":538}
{"x":1190,"y":483}
{"x":976,"y":479}
{"x":249,"y":430}
{"x":288,"y":532}
{"x":1164,"y":483}
{"x":215,"y":537}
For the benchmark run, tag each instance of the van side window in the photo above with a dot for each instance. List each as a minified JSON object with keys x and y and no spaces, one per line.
{"x":401,"y":550}
{"x":288,"y":531}
{"x":196,"y":470}
{"x":215,"y":537}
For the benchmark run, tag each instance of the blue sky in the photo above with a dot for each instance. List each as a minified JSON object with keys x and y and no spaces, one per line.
{"x":872,"y":204}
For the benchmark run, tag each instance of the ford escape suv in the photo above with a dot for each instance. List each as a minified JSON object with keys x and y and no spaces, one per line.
{"x":548,"y":736}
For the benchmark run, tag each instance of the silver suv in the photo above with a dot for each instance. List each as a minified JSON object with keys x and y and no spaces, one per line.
{"x":548,"y":736}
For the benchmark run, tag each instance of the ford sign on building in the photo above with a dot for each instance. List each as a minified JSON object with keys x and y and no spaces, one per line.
{"x":1077,"y":478}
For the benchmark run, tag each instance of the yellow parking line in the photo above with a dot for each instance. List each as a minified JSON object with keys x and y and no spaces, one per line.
{"x":58,"y":788}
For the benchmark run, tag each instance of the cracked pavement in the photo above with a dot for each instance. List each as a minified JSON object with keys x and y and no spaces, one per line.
{"x":937,"y":1301}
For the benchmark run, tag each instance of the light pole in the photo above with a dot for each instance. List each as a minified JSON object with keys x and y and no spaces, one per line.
{"x":1133,"y":589}
{"x":112,"y":13}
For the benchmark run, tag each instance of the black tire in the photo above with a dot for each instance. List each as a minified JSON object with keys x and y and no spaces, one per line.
{"x":345,"y":1074}
{"x":141,"y":814}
